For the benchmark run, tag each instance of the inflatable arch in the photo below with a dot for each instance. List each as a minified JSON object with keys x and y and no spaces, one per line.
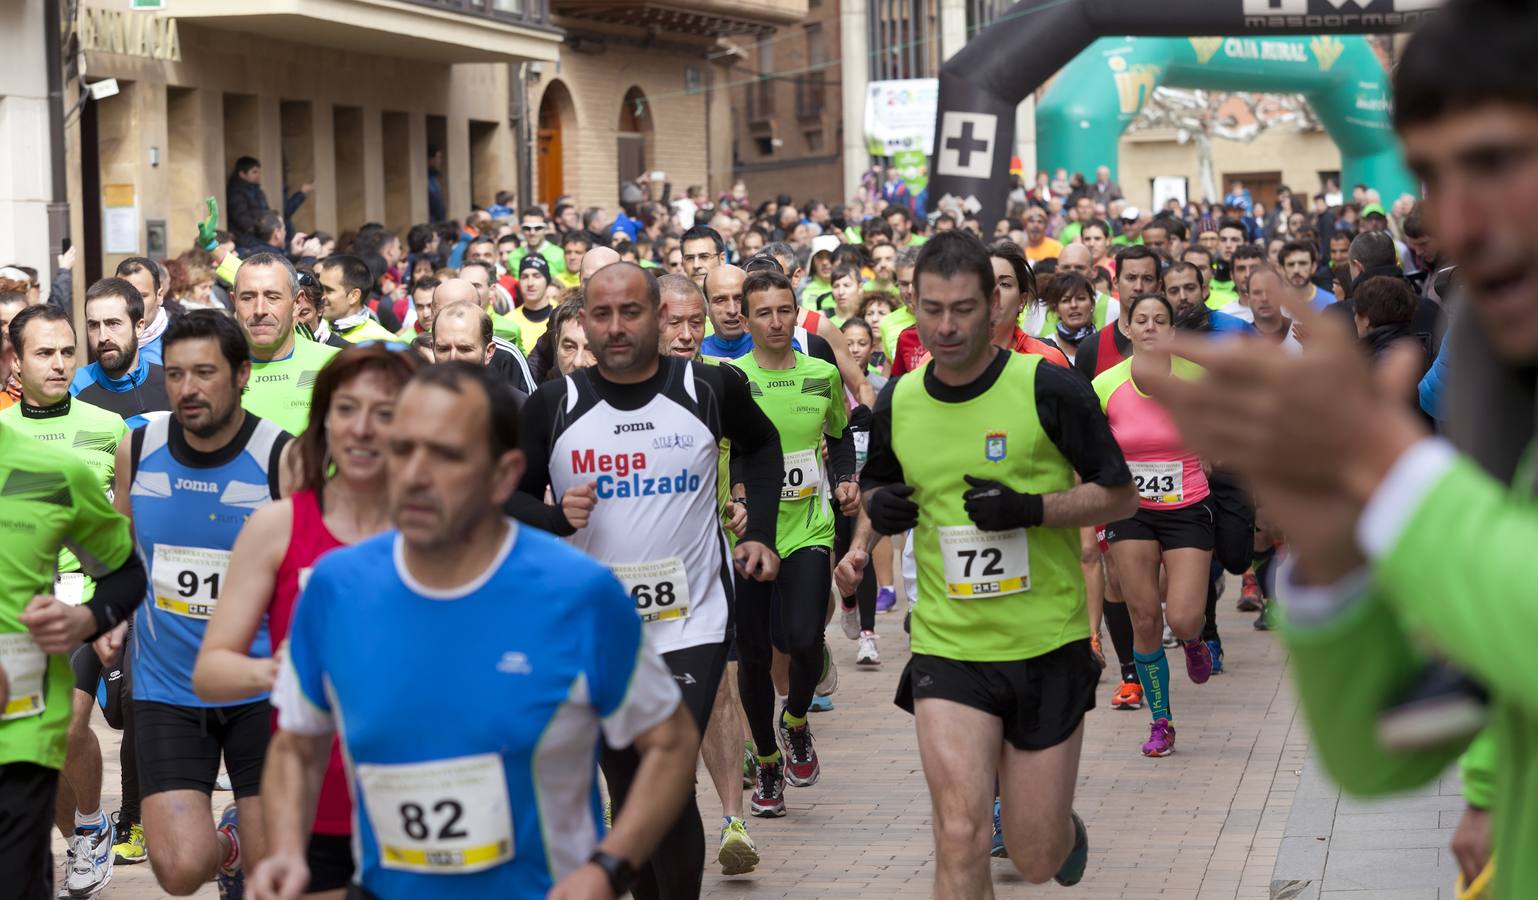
{"x":983,"y":83}
{"x":1099,"y":94}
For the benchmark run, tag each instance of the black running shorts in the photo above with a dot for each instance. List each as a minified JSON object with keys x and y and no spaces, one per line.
{"x":1189,"y":527}
{"x":179,"y":746}
{"x":1040,"y":700}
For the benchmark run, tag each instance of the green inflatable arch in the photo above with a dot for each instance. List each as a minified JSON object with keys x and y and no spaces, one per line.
{"x":1092,"y":101}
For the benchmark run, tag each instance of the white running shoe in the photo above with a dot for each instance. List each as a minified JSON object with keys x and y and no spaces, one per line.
{"x":222,"y":783}
{"x":829,"y":682}
{"x":851,"y":622}
{"x":867,"y":655}
{"x":1169,"y":638}
{"x":90,"y":865}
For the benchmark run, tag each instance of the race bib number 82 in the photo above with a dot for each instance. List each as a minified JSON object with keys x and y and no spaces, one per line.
{"x":443,"y":817}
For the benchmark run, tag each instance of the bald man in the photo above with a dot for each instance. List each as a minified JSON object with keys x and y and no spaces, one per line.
{"x":503,"y":355}
{"x":462,"y":331}
{"x":596,"y":259}
{"x":723,"y":294}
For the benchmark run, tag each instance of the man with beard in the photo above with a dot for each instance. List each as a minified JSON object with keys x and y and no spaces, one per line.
{"x":211,"y":463}
{"x":283,"y":363}
{"x":121,"y":380}
{"x":623,"y":445}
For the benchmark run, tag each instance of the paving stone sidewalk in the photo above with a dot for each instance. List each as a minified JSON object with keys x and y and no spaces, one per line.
{"x":1205,"y":823}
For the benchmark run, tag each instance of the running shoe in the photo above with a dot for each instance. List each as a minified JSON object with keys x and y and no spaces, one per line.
{"x":867,"y":655}
{"x":231,"y":879}
{"x":222,"y":783}
{"x":737,"y":855}
{"x":1094,"y":647}
{"x":1073,"y":867}
{"x":999,"y":851}
{"x":801,"y":766}
{"x":769,"y":793}
{"x":90,"y":860}
{"x":1129,"y":695}
{"x":1170,"y":641}
{"x":1198,"y":661}
{"x":886,"y":598}
{"x":1262,"y":623}
{"x":1215,"y":646}
{"x":129,"y":849}
{"x":828,"y":683}
{"x":1250,"y":599}
{"x":850,"y":619}
{"x":749,"y":764}
{"x":1161,"y":739}
{"x":820,"y":704}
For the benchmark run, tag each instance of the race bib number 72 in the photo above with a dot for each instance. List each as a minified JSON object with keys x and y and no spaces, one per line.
{"x":984,"y":563}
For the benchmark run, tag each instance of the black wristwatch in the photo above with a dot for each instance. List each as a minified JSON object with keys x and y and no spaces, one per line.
{"x":621,"y":873}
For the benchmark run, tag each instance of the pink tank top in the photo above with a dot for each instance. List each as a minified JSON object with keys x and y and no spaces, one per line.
{"x":308,"y":541}
{"x":1167,"y":474}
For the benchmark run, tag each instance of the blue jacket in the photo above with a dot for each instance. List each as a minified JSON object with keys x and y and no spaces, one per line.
{"x":138,"y":396}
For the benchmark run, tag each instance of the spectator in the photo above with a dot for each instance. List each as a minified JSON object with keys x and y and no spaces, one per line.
{"x":436,"y":212}
{"x":244,"y":201}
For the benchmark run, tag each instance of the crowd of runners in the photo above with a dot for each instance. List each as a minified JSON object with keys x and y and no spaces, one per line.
{"x":434,"y":566}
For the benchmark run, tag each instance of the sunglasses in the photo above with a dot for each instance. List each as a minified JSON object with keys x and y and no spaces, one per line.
{"x":392,"y":346}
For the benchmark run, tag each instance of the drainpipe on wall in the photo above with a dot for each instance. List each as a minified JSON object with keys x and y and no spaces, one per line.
{"x":58,"y":203}
{"x":518,"y":98}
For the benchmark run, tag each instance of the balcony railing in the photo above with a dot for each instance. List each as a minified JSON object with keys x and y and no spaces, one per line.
{"x":513,"y":12}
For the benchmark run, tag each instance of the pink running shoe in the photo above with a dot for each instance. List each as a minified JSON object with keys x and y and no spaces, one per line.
{"x":1198,"y":661}
{"x":1161,"y":739}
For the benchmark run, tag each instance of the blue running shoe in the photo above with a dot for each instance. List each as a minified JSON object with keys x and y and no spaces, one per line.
{"x":999,"y":851}
{"x":231,"y":880}
{"x":1072,"y":869}
{"x":1216,"y":647}
{"x":820,"y":704}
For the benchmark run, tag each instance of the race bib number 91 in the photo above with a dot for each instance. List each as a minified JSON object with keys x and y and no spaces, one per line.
{"x":984,"y":563}
{"x":1159,"y":482}
{"x":444,"y":817}
{"x":660,"y":588}
{"x":187,"y":579}
{"x":803,"y":475}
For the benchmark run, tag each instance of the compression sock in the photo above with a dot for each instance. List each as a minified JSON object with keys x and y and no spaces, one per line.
{"x":1210,"y":621}
{"x":1153,"y":670}
{"x":1119,"y":622}
{"x":1265,"y":566}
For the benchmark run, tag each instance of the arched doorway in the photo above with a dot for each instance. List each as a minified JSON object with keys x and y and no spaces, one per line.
{"x":555,"y":113}
{"x":634,"y":138}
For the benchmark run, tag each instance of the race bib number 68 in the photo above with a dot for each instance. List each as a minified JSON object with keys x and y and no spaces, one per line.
{"x":660,"y":588}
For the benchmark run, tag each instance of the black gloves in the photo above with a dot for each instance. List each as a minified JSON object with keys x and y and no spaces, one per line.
{"x":891,"y":512}
{"x":994,"y":507}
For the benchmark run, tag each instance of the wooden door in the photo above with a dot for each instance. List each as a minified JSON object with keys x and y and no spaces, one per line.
{"x":551,"y":181}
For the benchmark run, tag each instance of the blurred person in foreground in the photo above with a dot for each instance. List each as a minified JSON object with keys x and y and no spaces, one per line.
{"x":1402,"y":542}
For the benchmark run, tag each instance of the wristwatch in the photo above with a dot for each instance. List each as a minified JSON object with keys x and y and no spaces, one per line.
{"x":621,"y":873}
